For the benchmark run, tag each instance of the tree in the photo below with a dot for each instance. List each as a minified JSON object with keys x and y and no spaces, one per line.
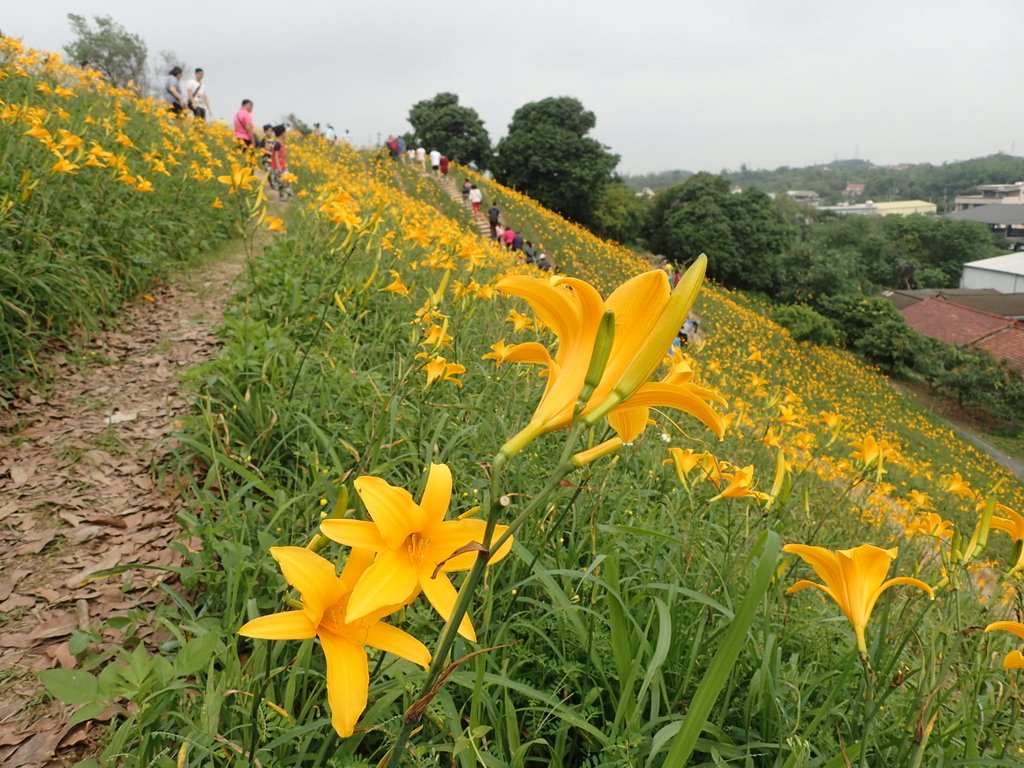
{"x":619,"y":214}
{"x":443,"y":124}
{"x":743,"y":234}
{"x":112,"y":49}
{"x":548,"y":155}
{"x":165,"y":62}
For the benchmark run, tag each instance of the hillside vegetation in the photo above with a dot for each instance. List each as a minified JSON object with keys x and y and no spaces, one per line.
{"x":100,"y":195}
{"x":636,"y":612}
{"x":910,"y":181}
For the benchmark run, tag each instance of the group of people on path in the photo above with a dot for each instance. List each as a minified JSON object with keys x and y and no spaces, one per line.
{"x":192,"y":97}
{"x":507,"y":237}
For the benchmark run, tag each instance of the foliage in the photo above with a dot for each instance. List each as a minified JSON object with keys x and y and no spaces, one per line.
{"x":455,"y":130}
{"x":95,"y":186}
{"x":548,"y":155}
{"x":924,"y":181}
{"x":805,"y":324}
{"x":619,"y":214}
{"x":637,"y":617}
{"x":743,"y":233}
{"x":119,"y":54}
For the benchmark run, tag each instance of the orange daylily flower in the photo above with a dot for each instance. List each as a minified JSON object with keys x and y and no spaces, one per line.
{"x":854,"y":578}
{"x":415,"y":546}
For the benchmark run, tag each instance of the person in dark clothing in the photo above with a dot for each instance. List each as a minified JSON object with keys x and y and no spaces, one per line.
{"x":493,"y":218}
{"x":529,"y":252}
{"x":517,"y":242}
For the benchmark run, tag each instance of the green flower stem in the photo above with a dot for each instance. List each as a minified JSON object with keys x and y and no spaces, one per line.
{"x":495,"y":505}
{"x":868,"y":709}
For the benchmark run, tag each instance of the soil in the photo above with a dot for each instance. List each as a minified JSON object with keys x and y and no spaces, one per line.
{"x":79,"y":493}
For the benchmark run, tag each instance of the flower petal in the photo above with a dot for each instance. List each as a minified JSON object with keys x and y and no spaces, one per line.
{"x":359,"y":560}
{"x":361,"y":534}
{"x":441,"y":594}
{"x":628,"y":422}
{"x":391,"y":580}
{"x":527,"y":352}
{"x":393,"y":640}
{"x":287,"y":625}
{"x":1007,"y":626}
{"x":391,"y":508}
{"x":638,"y":304}
{"x":348,"y":681}
{"x":659,"y":394}
{"x":313,"y":576}
{"x":1014,"y":660}
{"x":451,"y":536}
{"x":438,"y":494}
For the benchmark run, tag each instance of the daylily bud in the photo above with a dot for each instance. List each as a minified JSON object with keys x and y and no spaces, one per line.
{"x":656,"y":345}
{"x":583,"y":458}
{"x":599,"y":358}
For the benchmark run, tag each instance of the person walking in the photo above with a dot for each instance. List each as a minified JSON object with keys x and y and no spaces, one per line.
{"x":198,"y":99}
{"x":172,"y":92}
{"x":493,"y":217}
{"x":245,"y":134}
{"x":475,"y":198}
{"x":435,"y":161}
{"x":443,"y":164}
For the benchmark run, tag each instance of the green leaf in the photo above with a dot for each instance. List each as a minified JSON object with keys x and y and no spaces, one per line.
{"x":721,"y":666}
{"x":196,"y":654}
{"x":72,"y":686}
{"x":87,"y":712}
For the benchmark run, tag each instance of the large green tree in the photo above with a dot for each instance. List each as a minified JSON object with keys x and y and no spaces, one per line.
{"x":744,"y":234}
{"x":119,"y":54}
{"x":548,"y":155}
{"x":619,"y":214}
{"x":456,"y":131}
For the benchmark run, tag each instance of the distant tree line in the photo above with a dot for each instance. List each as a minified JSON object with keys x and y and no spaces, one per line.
{"x":939,"y":184}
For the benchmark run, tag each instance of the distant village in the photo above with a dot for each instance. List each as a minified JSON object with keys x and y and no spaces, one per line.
{"x":987,"y":310}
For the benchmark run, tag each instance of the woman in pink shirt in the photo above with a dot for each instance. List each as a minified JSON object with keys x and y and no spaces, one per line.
{"x":509,"y":236}
{"x":244,"y":131}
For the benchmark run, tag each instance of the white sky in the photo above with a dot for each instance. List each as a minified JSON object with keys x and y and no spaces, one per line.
{"x":700,"y":85}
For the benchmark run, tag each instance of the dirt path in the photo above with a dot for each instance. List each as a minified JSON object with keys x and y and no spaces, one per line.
{"x":78,"y":494}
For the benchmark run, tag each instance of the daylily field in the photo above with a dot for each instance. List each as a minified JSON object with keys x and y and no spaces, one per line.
{"x":441,"y":508}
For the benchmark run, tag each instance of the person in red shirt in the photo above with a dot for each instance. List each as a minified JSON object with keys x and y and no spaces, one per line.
{"x":279,"y":164}
{"x":444,"y":166}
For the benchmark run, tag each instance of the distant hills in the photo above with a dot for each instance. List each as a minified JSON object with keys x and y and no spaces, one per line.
{"x":925,"y":181}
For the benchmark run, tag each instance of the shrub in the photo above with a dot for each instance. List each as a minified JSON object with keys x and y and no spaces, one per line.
{"x":805,"y":324}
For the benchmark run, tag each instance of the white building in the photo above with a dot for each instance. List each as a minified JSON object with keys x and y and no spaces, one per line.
{"x":1003,"y":273}
{"x":991,"y":194}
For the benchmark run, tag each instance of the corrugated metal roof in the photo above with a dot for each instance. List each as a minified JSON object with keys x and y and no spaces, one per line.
{"x":1011,"y":263}
{"x":1004,"y":214}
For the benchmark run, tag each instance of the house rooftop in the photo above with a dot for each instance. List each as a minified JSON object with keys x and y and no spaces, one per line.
{"x":1010,"y":263}
{"x":1009,"y":214}
{"x":953,"y":323}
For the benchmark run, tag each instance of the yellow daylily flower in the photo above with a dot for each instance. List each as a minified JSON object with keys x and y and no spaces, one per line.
{"x":647,"y":317}
{"x":396,"y":286}
{"x":415,"y":546}
{"x":274,"y":224}
{"x":684,"y":460}
{"x":241,"y":177}
{"x":956,"y":485}
{"x":1012,"y":524}
{"x":854,"y":578}
{"x":1014,"y":659}
{"x":63,"y":165}
{"x":325,"y":600}
{"x":739,"y":482}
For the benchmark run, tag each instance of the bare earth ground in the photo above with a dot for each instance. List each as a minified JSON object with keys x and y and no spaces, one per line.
{"x":78,"y":495}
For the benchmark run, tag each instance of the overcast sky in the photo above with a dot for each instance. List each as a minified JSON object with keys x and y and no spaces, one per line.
{"x":695,"y":85}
